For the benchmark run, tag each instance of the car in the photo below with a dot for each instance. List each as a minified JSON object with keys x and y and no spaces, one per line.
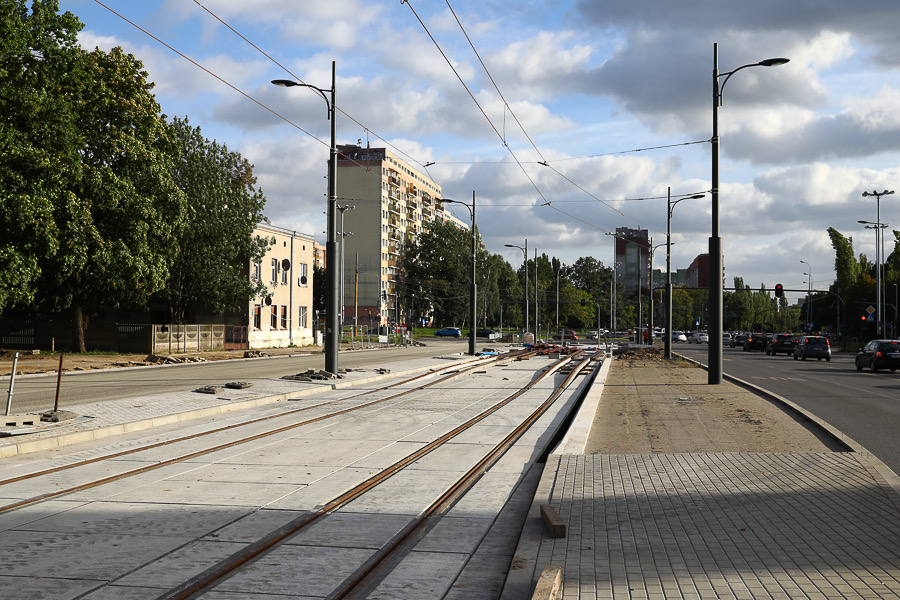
{"x":726,"y":339}
{"x":755,"y":341}
{"x":484,"y":333}
{"x":781,"y":342}
{"x":448,"y":332}
{"x":567,"y":334}
{"x":813,"y":346}
{"x":678,"y":336}
{"x":698,"y":337}
{"x":879,"y":354}
{"x":739,"y":340}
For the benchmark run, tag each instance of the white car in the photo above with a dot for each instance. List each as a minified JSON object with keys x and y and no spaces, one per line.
{"x":698,"y":338}
{"x":678,"y":336}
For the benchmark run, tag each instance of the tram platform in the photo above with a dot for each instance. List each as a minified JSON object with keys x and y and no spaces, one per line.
{"x":668,"y":488}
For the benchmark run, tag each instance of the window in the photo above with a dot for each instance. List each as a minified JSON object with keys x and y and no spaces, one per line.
{"x":257,"y":270}
{"x":257,"y":317}
{"x":284,"y":317}
{"x":274,"y":270}
{"x":304,"y":315}
{"x":274,"y":324}
{"x":284,"y":276}
{"x":304,"y":272}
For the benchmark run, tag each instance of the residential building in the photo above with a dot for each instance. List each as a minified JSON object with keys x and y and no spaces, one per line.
{"x":698,"y":272}
{"x":385,"y":203}
{"x":633,"y":255}
{"x":283,"y":317}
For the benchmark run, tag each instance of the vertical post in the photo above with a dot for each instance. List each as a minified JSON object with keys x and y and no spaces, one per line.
{"x":472,"y":292}
{"x":332,"y":334}
{"x":667,"y":342}
{"x":537,"y":324}
{"x":714,"y":359}
{"x":527,"y":316}
{"x":58,"y":384}
{"x":12,"y":382}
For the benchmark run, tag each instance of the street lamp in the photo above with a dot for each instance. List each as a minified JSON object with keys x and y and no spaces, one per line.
{"x":879,"y":248}
{"x":472,"y":298}
{"x":343,"y":235}
{"x":667,"y":343}
{"x":652,"y":250}
{"x":525,"y":268}
{"x":879,"y":242}
{"x":332,"y":334}
{"x":716,"y":300}
{"x":808,"y":296}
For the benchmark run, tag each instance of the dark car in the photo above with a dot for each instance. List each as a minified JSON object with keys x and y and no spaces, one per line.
{"x":755,"y":341}
{"x":879,"y":354}
{"x":448,"y":332}
{"x":568,"y":334}
{"x":781,"y":342}
{"x":739,"y":340}
{"x":484,"y":333}
{"x":813,"y":346}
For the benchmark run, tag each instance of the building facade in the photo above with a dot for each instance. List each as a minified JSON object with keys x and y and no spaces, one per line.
{"x":283,"y":317}
{"x":698,"y":272}
{"x":633,"y":256}
{"x":384,"y":204}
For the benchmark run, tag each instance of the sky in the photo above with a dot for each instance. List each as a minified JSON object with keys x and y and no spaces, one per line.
{"x":566,"y":118}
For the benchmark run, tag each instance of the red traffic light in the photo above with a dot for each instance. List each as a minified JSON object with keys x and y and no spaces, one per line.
{"x":779,"y":290}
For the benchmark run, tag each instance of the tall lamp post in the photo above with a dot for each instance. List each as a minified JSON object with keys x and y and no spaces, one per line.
{"x":667,"y":343}
{"x":808,"y":296}
{"x":652,"y":250}
{"x":716,"y":300}
{"x":525,"y":254}
{"x":332,"y":333}
{"x":879,"y":248}
{"x":472,"y":294}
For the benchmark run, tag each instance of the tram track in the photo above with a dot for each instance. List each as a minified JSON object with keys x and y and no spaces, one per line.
{"x":368,"y":574}
{"x":451,"y":371}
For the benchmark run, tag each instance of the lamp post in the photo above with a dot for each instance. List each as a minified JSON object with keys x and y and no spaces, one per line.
{"x":716,"y":300}
{"x":343,"y":234}
{"x":808,"y":296}
{"x":332,"y":334}
{"x":472,"y":294}
{"x":525,"y":268}
{"x":879,"y":248}
{"x":652,"y":250}
{"x":879,"y":241}
{"x":667,"y":343}
{"x":612,"y":297}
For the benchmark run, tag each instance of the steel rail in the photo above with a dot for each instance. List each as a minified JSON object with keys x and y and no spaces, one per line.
{"x":227,"y":566}
{"x":223,"y":446}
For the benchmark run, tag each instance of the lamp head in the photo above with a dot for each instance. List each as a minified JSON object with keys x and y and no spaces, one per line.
{"x":773,"y":62}
{"x":284,"y":83}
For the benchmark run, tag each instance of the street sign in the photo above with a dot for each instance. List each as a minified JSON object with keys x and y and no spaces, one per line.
{"x":870,"y":310}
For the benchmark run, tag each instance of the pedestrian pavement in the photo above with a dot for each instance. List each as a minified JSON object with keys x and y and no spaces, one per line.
{"x":675,"y":524}
{"x":650,"y":525}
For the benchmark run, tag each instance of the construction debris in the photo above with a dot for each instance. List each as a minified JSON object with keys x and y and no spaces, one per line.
{"x":156,"y":359}
{"x":313,"y":375}
{"x":209,"y":389}
{"x":238,"y":385}
{"x":654,"y":354}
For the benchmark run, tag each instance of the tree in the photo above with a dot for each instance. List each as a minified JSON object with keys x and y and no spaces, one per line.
{"x":215,"y":243}
{"x":120,"y":214}
{"x":40,"y":69}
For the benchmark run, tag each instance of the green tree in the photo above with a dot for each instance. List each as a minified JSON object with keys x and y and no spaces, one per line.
{"x":215,"y":242}
{"x":40,"y":73}
{"x":119,"y":217}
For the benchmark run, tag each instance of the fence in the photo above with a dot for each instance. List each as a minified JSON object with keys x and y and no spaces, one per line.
{"x":173,"y":339}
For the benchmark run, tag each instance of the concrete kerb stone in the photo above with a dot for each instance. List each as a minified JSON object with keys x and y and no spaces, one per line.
{"x":576,"y":436}
{"x":68,"y":439}
{"x":892,"y":479}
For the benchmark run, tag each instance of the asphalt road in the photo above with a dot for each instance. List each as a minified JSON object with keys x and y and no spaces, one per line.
{"x":37,"y":393}
{"x":863,"y":405}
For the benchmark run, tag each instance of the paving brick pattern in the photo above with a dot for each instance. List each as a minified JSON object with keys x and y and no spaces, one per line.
{"x":726,"y":526}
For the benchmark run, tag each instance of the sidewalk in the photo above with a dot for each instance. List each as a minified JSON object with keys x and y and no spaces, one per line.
{"x":670,"y":488}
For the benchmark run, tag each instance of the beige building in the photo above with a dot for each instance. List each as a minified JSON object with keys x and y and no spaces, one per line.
{"x":284,"y":316}
{"x":383,"y":204}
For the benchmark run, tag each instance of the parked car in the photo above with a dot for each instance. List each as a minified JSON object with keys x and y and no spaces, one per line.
{"x":813,"y":346}
{"x":726,"y":339}
{"x":448,"y":332}
{"x":698,"y":337}
{"x":879,"y":354}
{"x":755,"y":341}
{"x":739,"y":340}
{"x":567,"y":334}
{"x":484,"y":333}
{"x":781,"y":342}
{"x":678,"y":336}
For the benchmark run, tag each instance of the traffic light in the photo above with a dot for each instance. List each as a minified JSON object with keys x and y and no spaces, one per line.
{"x":864,"y":318}
{"x":779,"y":290}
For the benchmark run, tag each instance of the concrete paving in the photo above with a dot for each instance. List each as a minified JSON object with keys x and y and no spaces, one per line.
{"x":668,"y":522}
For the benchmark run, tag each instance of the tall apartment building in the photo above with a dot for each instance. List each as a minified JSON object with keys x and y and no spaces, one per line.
{"x":633,"y":256}
{"x":392,"y":203}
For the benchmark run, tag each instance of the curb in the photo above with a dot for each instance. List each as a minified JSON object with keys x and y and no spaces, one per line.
{"x":874,"y":463}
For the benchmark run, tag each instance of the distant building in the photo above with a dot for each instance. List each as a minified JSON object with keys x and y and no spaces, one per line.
{"x":633,"y":256}
{"x":392,"y":203}
{"x":698,"y":272}
{"x":283,"y":317}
